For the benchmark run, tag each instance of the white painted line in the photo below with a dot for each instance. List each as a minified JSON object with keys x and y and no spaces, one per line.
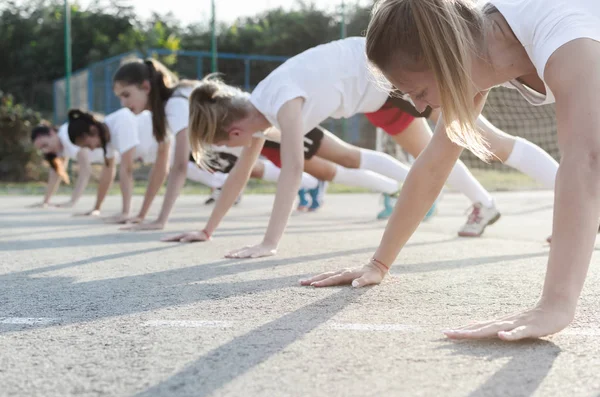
{"x":189,"y":324}
{"x":27,"y":320}
{"x":372,"y":327}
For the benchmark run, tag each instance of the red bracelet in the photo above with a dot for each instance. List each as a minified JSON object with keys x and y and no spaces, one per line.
{"x":207,"y":234}
{"x":379,"y":263}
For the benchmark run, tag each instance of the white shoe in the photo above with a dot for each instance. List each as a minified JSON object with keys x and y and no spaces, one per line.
{"x":479,"y":218}
{"x":214,"y":196}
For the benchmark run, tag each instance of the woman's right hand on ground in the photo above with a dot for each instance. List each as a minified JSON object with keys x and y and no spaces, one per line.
{"x":188,"y":237}
{"x":368,"y":274}
{"x":88,"y":213}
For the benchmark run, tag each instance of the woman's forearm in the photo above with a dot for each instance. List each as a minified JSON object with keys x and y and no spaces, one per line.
{"x":233,"y":186}
{"x":287,"y":186}
{"x":53,"y":182}
{"x":576,"y":207}
{"x":106,"y":179}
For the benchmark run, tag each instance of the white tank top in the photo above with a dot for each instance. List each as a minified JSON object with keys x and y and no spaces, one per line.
{"x":542,"y":26}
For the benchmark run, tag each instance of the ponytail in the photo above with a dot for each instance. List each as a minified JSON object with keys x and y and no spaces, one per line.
{"x":79,"y":126}
{"x":214,"y":105}
{"x":163,"y":84}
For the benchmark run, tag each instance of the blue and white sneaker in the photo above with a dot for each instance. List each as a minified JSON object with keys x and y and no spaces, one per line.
{"x":432,"y":211}
{"x":389,"y":202}
{"x":318,"y":195}
{"x":302,"y":202}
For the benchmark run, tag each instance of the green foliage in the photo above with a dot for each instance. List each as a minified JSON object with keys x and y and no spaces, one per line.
{"x":18,"y":158}
{"x":32,"y":49}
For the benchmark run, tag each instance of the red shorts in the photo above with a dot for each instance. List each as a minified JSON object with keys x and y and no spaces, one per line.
{"x":273,"y":155}
{"x":390,"y":119}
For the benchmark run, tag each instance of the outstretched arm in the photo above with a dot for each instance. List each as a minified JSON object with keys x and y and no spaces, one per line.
{"x":233,"y":186}
{"x":292,"y":165}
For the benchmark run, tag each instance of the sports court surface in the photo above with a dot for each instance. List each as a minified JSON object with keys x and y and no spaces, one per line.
{"x":89,"y":311}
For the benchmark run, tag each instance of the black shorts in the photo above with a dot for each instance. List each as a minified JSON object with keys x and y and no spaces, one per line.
{"x":312,"y":142}
{"x":219,"y":161}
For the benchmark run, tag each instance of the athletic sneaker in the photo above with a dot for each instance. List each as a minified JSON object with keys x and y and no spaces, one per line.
{"x":479,"y":218}
{"x":318,"y":195}
{"x":214,"y":196}
{"x":389,"y":202}
{"x":432,"y":211}
{"x":302,"y":202}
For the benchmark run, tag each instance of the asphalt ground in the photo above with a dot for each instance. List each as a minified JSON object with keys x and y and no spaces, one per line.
{"x":87,"y":310}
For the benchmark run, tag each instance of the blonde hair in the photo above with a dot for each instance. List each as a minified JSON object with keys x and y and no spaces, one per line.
{"x":443,"y":36}
{"x":214,"y":105}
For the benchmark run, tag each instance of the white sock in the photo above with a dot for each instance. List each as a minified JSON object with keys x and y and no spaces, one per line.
{"x":532,"y":160}
{"x":364,"y":178}
{"x":383,"y":164}
{"x":197,"y":174}
{"x":271,"y":174}
{"x":461,"y":179}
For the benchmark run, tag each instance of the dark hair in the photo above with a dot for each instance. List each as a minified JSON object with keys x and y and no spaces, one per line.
{"x":57,"y":163}
{"x":163,"y":84}
{"x":79,"y":126}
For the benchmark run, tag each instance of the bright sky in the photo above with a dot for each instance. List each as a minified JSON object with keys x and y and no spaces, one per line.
{"x":227,"y":10}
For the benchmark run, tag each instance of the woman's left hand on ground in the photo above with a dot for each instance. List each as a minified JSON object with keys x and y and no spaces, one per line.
{"x":537,"y":322}
{"x":253,"y":251}
{"x":139,"y":226}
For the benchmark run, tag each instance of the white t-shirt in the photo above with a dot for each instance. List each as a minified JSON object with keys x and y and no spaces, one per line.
{"x":333,"y":78}
{"x":177,"y":110}
{"x":542,"y":26}
{"x":123,"y":128}
{"x":70,"y":150}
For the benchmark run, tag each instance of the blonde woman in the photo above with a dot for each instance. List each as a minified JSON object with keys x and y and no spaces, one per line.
{"x":330,"y":80}
{"x":448,"y":54}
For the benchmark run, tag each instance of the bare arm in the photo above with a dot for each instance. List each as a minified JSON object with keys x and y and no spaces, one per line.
{"x":126,"y":180}
{"x":106,"y":178}
{"x":576,"y":198}
{"x":83,"y":176}
{"x":234,"y":184}
{"x":422,"y":186}
{"x":292,"y":165}
{"x":177,"y":177}
{"x":158,"y":173}
{"x":53,"y":183}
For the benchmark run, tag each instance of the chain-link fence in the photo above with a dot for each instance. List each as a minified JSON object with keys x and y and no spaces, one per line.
{"x":91,"y":89}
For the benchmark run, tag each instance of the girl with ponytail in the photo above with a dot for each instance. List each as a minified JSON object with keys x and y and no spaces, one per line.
{"x":447,"y":54}
{"x":149,"y":85}
{"x":116,"y":136}
{"x":57,"y":149}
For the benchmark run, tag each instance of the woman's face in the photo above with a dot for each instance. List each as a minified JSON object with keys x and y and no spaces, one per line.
{"x":90,"y":140}
{"x":133,"y":96}
{"x":420,"y":86}
{"x":48,"y":143}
